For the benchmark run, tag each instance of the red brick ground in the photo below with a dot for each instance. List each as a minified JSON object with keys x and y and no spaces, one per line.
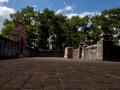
{"x":58,"y":74}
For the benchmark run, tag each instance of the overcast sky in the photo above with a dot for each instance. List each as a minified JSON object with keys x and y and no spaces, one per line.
{"x":67,"y":7}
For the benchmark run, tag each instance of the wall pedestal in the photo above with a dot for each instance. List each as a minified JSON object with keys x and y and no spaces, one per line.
{"x":68,"y":52}
{"x":104,"y":47}
{"x":104,"y":50}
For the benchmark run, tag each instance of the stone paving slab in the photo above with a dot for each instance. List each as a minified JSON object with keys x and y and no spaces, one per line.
{"x":58,"y":74}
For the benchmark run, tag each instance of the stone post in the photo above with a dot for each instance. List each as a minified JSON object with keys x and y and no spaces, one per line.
{"x":68,"y":52}
{"x":86,"y":43}
{"x":80,"y":49}
{"x":104,"y":47}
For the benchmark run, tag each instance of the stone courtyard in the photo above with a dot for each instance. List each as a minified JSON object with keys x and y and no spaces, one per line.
{"x":37,"y":73}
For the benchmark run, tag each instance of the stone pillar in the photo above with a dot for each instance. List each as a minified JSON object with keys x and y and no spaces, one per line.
{"x":104,"y":47}
{"x":80,"y":49}
{"x":86,"y":43}
{"x":68,"y":52}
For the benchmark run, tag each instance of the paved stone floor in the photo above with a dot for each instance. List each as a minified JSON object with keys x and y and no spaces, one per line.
{"x":58,"y":74}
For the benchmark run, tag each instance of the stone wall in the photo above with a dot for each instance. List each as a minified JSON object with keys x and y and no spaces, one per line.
{"x":30,"y":52}
{"x":116,"y":52}
{"x":107,"y":50}
{"x":90,"y":52}
{"x":51,"y":53}
{"x":76,"y":53}
{"x":103,"y":51}
{"x":8,"y":48}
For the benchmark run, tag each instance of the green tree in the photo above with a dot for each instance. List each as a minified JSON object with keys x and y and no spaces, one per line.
{"x":85,"y":30}
{"x":113,"y":22}
{"x":95,"y":28}
{"x":7,"y":26}
{"x":108,"y":21}
{"x":43,"y":30}
{"x":72,"y":32}
{"x":57,"y":32}
{"x":47,"y":29}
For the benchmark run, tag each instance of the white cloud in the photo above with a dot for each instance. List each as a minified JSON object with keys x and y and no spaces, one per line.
{"x":64,"y":3}
{"x":49,"y":6}
{"x":82,"y":14}
{"x":66,"y":8}
{"x":70,"y":8}
{"x":89,"y":13}
{"x":1,"y":1}
{"x":35,"y":6}
{"x":71,"y":14}
{"x":5,"y":13}
{"x":59,"y":11}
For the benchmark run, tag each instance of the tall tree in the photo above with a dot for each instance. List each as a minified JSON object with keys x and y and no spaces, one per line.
{"x":113,"y":22}
{"x":7,"y":26}
{"x":95,"y":28}
{"x":57,"y":31}
{"x":45,"y":19}
{"x":108,"y":21}
{"x":47,"y":29}
{"x":72,"y":32}
{"x":84,"y":29}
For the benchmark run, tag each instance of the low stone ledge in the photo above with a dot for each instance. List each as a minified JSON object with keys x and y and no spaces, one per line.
{"x":2,"y":38}
{"x":91,"y":47}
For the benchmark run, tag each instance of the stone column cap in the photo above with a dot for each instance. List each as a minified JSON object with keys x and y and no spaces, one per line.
{"x":104,"y":36}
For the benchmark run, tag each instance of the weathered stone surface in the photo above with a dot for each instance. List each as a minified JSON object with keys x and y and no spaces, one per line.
{"x":105,"y":50}
{"x":90,"y":52}
{"x":58,"y":74}
{"x":76,"y":53}
{"x":8,"y":48}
